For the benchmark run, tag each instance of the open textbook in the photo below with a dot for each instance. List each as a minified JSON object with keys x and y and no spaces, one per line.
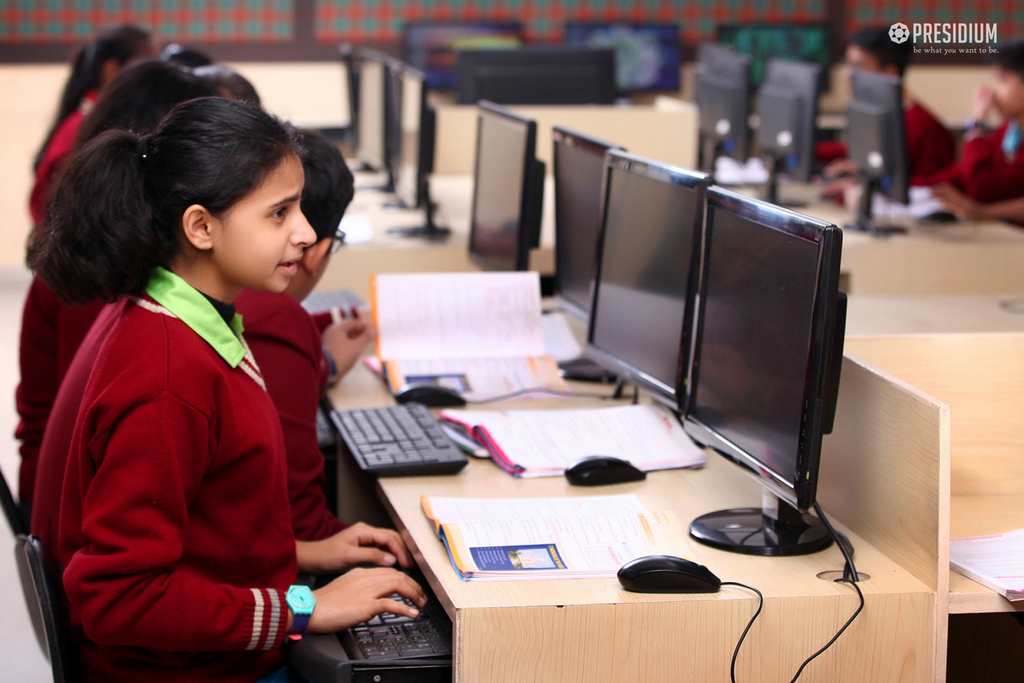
{"x":996,"y":562}
{"x":477,"y":333}
{"x":542,"y":443}
{"x":537,"y":538}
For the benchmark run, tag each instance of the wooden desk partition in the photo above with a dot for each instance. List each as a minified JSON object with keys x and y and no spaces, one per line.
{"x":981,"y":376}
{"x":663,"y":135}
{"x":881,"y":482}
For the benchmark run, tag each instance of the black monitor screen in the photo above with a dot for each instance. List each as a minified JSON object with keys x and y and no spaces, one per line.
{"x":766,"y":324}
{"x":505,"y":150}
{"x":579,"y":180}
{"x":646,"y":273}
{"x":432,"y":46}
{"x":647,"y":56}
{"x":794,"y":42}
{"x":548,"y":74}
{"x":371,"y":145}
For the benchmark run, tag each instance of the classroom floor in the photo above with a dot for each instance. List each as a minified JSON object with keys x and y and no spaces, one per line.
{"x":21,"y":658}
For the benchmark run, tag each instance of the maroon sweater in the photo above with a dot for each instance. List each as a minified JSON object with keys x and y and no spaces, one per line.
{"x":984,"y":172}
{"x":286,"y":343}
{"x":176,"y":548}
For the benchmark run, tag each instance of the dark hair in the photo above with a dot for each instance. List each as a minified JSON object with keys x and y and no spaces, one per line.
{"x":140,"y":96}
{"x":876,"y":40}
{"x":329,"y":184}
{"x":116,"y":213}
{"x":121,"y":44}
{"x":1011,"y":58}
{"x":228,"y":82}
{"x":185,"y":56}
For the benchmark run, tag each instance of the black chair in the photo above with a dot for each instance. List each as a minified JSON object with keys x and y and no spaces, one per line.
{"x":11,"y":510}
{"x":44,"y":595}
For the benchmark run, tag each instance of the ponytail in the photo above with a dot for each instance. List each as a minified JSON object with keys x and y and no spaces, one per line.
{"x":99,"y":241}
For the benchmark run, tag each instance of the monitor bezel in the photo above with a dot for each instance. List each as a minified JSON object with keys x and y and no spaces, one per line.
{"x":424,"y":148}
{"x":778,"y":81}
{"x":515,"y":27}
{"x":485,"y":108}
{"x":361,"y":56}
{"x":693,"y":180}
{"x":819,"y":380}
{"x":566,"y":136}
{"x":872,"y":92}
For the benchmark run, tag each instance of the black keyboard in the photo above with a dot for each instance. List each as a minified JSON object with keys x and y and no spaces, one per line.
{"x":393,"y":636}
{"x":399,"y":440}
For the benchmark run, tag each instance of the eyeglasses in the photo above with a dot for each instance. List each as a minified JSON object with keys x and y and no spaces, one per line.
{"x":337,"y":239}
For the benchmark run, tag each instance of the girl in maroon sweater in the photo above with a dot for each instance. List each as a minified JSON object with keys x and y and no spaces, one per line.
{"x":175,"y":530}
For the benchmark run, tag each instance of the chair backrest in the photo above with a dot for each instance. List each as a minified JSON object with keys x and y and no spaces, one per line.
{"x":11,"y":511}
{"x":44,"y":596}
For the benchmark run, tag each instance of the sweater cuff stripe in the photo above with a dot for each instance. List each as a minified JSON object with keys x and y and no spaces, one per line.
{"x":275,"y":619}
{"x":257,"y":619}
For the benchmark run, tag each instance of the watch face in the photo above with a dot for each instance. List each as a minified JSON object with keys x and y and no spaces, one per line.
{"x":300,"y":599}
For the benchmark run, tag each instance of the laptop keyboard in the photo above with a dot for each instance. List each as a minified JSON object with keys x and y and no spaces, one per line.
{"x":398,"y":440}
{"x":393,"y":636}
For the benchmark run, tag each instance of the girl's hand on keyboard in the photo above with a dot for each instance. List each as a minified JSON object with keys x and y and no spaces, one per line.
{"x":346,"y":341}
{"x":358,"y":544}
{"x":360,"y":594}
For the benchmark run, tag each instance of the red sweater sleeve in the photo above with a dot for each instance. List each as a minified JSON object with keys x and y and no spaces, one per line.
{"x":286,"y":345}
{"x":125,"y":579}
{"x":985,"y":172}
{"x":930,"y":146}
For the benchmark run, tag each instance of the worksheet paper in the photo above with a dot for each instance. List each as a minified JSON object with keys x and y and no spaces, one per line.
{"x":995,"y":561}
{"x":534,"y":538}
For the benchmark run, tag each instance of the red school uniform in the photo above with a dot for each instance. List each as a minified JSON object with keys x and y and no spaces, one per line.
{"x":287,"y":345}
{"x":173,"y":531}
{"x":985,"y":172}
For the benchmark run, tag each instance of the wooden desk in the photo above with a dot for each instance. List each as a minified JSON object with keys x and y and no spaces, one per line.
{"x":929,"y":314}
{"x":591,"y":630}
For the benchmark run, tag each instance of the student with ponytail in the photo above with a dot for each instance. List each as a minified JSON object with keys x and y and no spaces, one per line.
{"x":175,"y":530}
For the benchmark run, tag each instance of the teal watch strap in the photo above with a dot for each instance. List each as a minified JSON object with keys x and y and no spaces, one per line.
{"x":301,"y":601}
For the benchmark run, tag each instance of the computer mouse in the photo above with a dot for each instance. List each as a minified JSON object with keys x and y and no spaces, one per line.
{"x":430,"y":395}
{"x":596,"y":470}
{"x":940,"y":217}
{"x":667,"y":574}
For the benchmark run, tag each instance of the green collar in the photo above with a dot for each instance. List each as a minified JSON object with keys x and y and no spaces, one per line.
{"x":185,"y":301}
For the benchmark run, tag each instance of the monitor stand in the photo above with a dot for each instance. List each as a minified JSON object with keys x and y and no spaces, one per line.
{"x":776,"y":528}
{"x":429,"y":230}
{"x":585,"y":370}
{"x":863,"y":221}
{"x":771,"y":195}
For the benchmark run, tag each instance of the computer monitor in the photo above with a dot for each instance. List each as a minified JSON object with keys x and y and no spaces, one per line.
{"x":877,"y":142}
{"x":415,"y":156}
{"x":578,"y":169}
{"x":347,"y":55}
{"x":508,"y":190}
{"x":722,"y":94}
{"x":647,"y":56}
{"x":763,"y":42}
{"x":645,"y":281}
{"x":787,"y":108}
{"x":764,"y":374}
{"x":548,"y":74}
{"x":430,"y":46}
{"x":377,"y":118}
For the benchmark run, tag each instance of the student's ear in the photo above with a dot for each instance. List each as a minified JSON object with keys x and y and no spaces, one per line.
{"x":198,"y":224}
{"x":108,"y":70}
{"x":314,"y":255}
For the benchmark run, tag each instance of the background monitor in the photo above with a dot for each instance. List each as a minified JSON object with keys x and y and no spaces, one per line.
{"x":787,"y":107}
{"x":549,"y":74}
{"x":647,"y":56}
{"x":508,"y":190}
{"x":347,"y":55}
{"x":765,"y":369}
{"x":377,"y":106}
{"x":792,"y":42}
{"x":646,"y":275}
{"x":415,"y":155}
{"x":877,"y":142}
{"x":431,"y":46}
{"x":722,"y":95}
{"x":578,"y":169}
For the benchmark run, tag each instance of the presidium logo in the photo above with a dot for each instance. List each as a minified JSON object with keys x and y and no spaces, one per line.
{"x":975,"y":38}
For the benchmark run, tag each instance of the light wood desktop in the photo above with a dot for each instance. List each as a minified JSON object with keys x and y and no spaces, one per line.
{"x":591,"y":630}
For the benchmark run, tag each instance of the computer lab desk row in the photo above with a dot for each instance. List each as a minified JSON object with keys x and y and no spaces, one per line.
{"x":882,"y":484}
{"x":968,"y":258}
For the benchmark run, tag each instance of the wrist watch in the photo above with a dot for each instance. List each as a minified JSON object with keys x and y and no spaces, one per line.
{"x":972,"y":123}
{"x":301,"y":601}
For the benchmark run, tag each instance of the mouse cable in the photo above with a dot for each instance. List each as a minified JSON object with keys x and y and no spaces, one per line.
{"x":760,"y":604}
{"x":539,"y":390}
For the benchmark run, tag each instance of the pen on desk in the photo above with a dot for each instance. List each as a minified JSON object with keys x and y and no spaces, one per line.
{"x":464,"y":443}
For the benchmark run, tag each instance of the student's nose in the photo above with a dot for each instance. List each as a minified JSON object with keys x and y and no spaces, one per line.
{"x":304,"y":233}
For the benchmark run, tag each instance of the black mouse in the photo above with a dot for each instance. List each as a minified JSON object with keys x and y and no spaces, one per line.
{"x":667,"y":574}
{"x":940,"y":217}
{"x":595,"y":470}
{"x":430,"y":395}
